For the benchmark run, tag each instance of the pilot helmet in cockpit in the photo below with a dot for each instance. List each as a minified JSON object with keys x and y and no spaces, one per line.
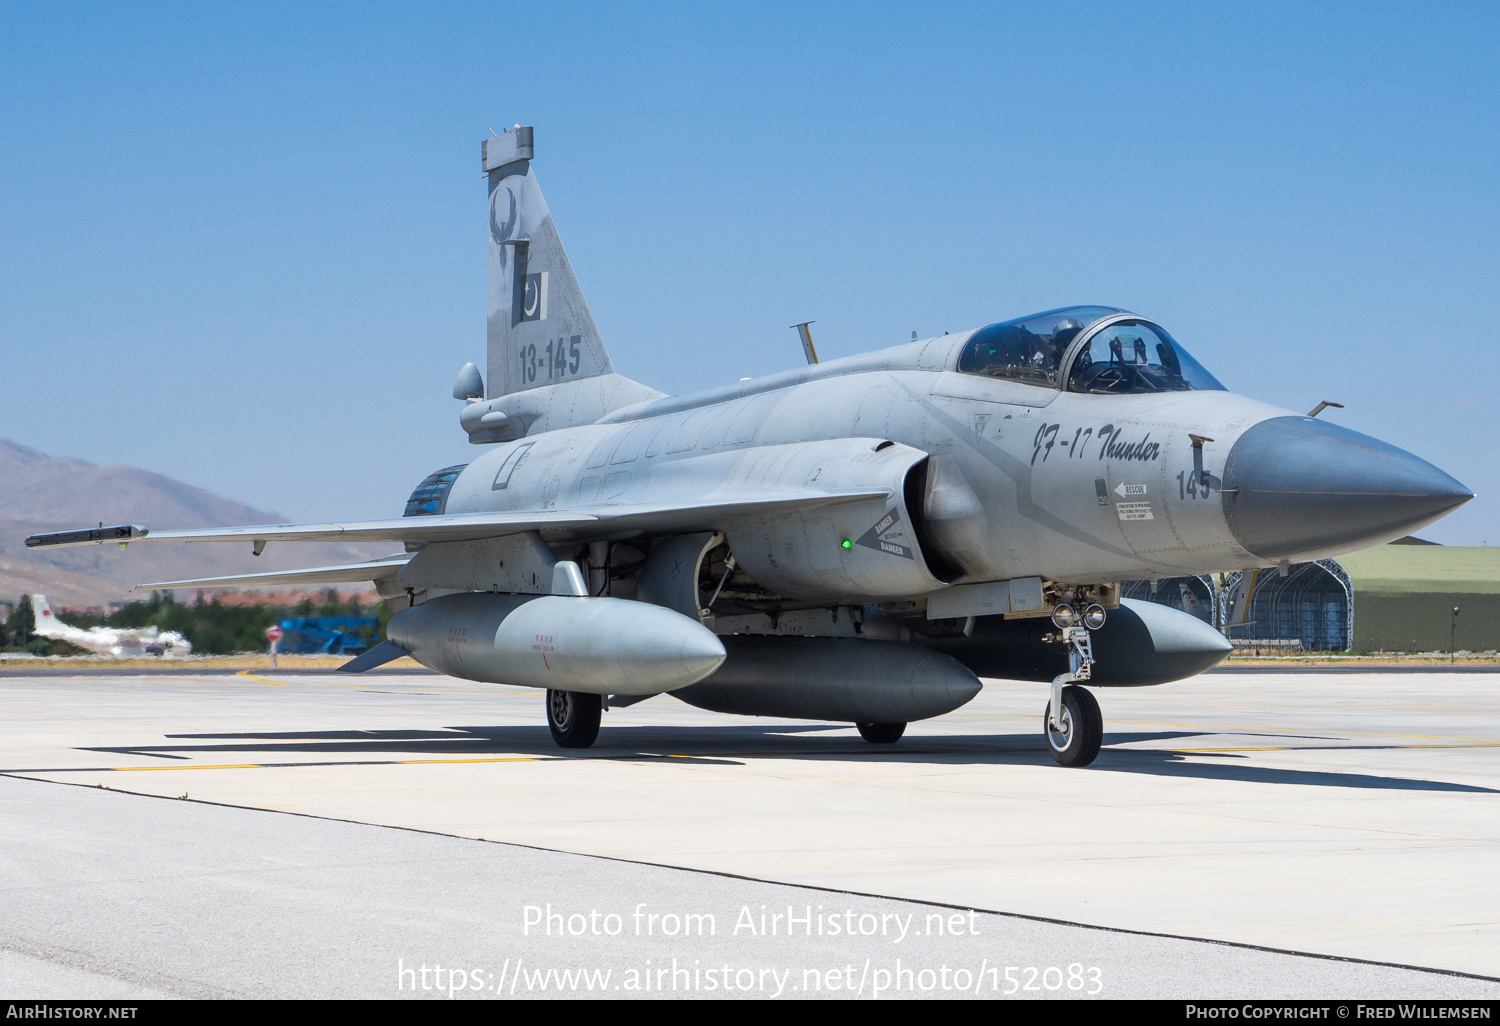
{"x":1063,"y":333}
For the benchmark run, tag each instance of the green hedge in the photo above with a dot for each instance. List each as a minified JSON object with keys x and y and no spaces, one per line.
{"x":212,"y":627}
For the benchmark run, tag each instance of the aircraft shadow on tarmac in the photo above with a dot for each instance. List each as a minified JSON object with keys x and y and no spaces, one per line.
{"x":733,"y":744}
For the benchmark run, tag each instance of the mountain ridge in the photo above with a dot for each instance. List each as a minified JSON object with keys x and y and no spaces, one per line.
{"x":39,"y":493}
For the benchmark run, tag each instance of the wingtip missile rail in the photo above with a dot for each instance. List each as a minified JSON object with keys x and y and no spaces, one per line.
{"x":123,"y":534}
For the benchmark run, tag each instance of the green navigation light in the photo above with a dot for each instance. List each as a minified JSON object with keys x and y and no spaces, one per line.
{"x":846,"y":543}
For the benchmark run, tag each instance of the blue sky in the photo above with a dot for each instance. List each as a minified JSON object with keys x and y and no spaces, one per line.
{"x":244,"y":245}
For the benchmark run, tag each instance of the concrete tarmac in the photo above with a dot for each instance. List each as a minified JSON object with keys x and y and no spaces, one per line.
{"x":1351,"y":816}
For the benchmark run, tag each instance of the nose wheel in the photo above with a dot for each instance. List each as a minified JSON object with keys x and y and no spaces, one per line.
{"x":1074,"y":737}
{"x":573,"y":717}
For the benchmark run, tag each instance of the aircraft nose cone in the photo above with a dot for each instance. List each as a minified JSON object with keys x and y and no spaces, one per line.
{"x":1304,"y":486}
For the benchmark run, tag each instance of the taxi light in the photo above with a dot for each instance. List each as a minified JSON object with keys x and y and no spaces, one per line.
{"x":1063,"y":615}
{"x":1093,"y":617}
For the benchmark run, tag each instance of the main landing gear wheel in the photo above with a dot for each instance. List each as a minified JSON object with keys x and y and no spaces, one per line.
{"x":574,"y":717}
{"x":1077,"y":744}
{"x":881,"y":733}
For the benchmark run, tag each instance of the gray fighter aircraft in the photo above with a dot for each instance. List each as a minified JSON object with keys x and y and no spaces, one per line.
{"x":858,"y":540}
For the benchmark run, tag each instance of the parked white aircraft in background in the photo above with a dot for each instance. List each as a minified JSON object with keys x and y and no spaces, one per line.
{"x":125,"y":641}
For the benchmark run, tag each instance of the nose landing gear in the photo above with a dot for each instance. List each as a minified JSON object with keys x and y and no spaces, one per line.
{"x":1072,"y":724}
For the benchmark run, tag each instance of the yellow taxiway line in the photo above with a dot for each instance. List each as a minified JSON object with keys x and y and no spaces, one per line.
{"x":288,"y":765}
{"x":1314,"y":748}
{"x":263,"y":680}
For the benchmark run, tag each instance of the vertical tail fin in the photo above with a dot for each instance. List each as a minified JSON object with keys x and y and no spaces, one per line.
{"x":540,"y":329}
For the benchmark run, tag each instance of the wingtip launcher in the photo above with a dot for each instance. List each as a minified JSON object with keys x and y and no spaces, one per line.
{"x":124,"y":534}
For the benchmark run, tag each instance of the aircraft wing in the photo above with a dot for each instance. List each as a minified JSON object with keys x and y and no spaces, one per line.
{"x":349,"y":573}
{"x":457,"y":527}
{"x":596,"y":521}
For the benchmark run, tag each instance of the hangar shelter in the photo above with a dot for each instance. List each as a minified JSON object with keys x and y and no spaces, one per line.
{"x":1393,"y":598}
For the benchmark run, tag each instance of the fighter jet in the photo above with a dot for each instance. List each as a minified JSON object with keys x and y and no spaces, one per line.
{"x":118,"y":641}
{"x":858,"y":540}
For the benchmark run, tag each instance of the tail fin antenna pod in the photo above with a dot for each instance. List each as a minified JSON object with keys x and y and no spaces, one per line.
{"x":540,"y":329}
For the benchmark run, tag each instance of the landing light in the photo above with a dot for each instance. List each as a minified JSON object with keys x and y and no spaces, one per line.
{"x":1063,"y":615}
{"x":1093,"y":617}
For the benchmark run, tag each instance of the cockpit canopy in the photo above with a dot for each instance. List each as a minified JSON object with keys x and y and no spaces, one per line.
{"x":1031,"y":348}
{"x":1128,"y":355}
{"x":1136,"y":356}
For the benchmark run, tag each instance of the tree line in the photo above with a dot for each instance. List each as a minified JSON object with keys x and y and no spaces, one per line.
{"x":213,"y":627}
